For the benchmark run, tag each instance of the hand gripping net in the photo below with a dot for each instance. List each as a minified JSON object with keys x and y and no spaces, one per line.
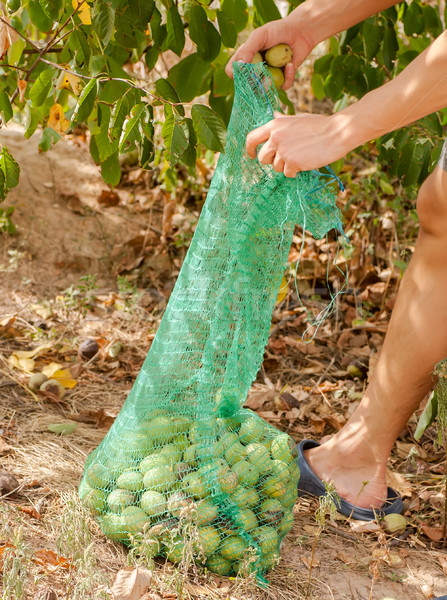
{"x":184,"y":467}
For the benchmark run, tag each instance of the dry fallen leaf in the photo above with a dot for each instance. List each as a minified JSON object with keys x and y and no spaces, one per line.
{"x":365,"y":527}
{"x":99,"y":418}
{"x":399,"y":483}
{"x":49,"y":557}
{"x":306,"y":561}
{"x":24,"y":359}
{"x":435,"y":534}
{"x":65,"y":377}
{"x":283,"y":290}
{"x":108,"y":198}
{"x":131,"y":584}
{"x":405,"y":449}
{"x":8,"y":484}
{"x":4,"y":447}
{"x":31,"y":511}
{"x":345,"y":557}
{"x":7,"y":329}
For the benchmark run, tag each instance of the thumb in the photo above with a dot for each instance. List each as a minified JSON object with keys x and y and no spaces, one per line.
{"x":279,"y":115}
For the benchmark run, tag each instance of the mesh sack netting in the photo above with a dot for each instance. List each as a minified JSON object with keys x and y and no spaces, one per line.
{"x":184,"y":466}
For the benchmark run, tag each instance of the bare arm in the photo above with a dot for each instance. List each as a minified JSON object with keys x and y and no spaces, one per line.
{"x":323,"y":18}
{"x":306,"y":26}
{"x":304,"y":142}
{"x":418,"y":91}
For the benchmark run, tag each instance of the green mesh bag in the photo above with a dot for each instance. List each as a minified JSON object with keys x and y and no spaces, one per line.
{"x":184,"y":466}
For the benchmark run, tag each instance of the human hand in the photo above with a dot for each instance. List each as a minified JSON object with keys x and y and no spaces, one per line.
{"x":283,"y":31}
{"x":301,"y":142}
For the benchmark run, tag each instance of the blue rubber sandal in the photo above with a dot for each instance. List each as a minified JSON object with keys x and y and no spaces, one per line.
{"x":311,"y":484}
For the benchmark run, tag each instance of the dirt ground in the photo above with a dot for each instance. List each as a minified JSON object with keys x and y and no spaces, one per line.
{"x":67,"y":231}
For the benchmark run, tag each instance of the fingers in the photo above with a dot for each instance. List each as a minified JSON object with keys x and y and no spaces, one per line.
{"x":278,"y":164}
{"x":289,"y":75}
{"x":246,"y":52}
{"x":267,"y":154}
{"x":256,"y":137}
{"x":290,"y":170}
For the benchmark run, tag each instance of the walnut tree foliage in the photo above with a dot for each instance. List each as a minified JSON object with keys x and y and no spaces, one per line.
{"x":105,"y":65}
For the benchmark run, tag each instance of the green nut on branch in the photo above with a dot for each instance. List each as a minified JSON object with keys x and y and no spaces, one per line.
{"x":276,"y":58}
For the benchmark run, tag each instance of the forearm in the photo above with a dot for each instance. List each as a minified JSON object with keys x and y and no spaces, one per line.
{"x":323,"y":18}
{"x":416,"y":92}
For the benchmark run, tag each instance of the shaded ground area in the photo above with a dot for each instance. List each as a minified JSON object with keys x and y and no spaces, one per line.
{"x":91,"y":264}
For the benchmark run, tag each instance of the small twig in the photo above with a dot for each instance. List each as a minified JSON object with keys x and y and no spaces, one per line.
{"x":36,"y":50}
{"x":107,"y":78}
{"x":46,"y":48}
{"x":343,"y":534}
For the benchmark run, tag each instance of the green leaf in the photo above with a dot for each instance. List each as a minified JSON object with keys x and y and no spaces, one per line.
{"x":166,"y":90}
{"x":204,"y":34}
{"x":390,"y":46}
{"x":5,"y":107}
{"x":414,"y":19}
{"x":3,"y":191}
{"x":282,"y":95}
{"x":41,"y":87}
{"x":62,"y":428}
{"x":38,"y":17}
{"x":189,"y":157}
{"x":222,"y":105}
{"x":222,"y":84}
{"x":103,"y":147}
{"x":51,"y":8}
{"x":386,"y":187}
{"x":428,"y":416}
{"x":119,"y":114}
{"x":210,"y":128}
{"x":15,"y":51}
{"x":151,"y":56}
{"x":372,"y":35}
{"x":432,"y":20}
{"x":32,"y":120}
{"x":227,"y":29}
{"x":49,"y":137}
{"x":10,"y":168}
{"x":158,"y":31}
{"x":6,"y":225}
{"x":175,"y":30}
{"x":140,"y":11}
{"x":79,"y":45}
{"x":317,"y":83}
{"x":190,"y":77}
{"x":322,"y":65}
{"x":265,"y":11}
{"x":111,"y":170}
{"x":85,"y":103}
{"x":175,"y":136}
{"x":103,"y":20}
{"x":113,"y":91}
{"x":145,"y":153}
{"x":128,"y":34}
{"x":236,"y":11}
{"x":131,"y":123}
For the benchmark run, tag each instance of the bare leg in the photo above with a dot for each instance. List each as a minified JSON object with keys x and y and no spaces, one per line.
{"x":416,"y":340}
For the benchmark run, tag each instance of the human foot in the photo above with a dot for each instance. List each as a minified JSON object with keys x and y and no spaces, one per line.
{"x":360,"y":478}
